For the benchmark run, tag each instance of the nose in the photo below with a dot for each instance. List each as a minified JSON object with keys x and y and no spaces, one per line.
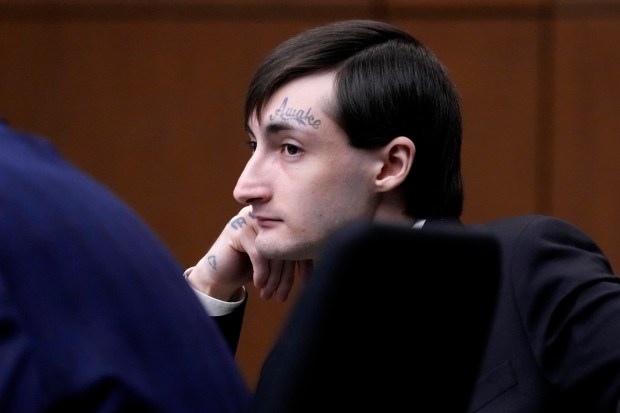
{"x":252,"y":183}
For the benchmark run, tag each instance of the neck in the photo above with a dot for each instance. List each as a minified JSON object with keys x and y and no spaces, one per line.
{"x":393,"y":213}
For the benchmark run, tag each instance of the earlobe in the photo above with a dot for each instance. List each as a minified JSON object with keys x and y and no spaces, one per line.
{"x":397,"y":159}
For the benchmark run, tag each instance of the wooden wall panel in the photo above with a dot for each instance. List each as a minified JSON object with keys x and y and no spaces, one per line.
{"x":464,"y":5}
{"x":134,"y":103}
{"x":589,"y":6}
{"x":586,"y":127}
{"x":268,"y":4}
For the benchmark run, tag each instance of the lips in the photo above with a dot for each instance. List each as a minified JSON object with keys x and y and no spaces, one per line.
{"x":265,"y":222}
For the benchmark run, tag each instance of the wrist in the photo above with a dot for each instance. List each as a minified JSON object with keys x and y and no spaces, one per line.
{"x":217,"y":291}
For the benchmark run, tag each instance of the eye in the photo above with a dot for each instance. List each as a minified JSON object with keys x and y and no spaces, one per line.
{"x":252,"y":145}
{"x":291,"y":149}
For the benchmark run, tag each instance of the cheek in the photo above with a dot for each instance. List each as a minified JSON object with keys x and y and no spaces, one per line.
{"x":346,"y":195}
{"x":339,"y":187}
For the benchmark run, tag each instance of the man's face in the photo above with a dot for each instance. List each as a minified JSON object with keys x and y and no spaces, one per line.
{"x":304,"y":179}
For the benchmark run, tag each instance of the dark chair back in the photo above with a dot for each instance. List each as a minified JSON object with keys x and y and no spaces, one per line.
{"x":392,"y":318}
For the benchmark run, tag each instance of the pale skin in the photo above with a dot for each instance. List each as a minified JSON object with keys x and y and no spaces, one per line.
{"x":302,"y":181}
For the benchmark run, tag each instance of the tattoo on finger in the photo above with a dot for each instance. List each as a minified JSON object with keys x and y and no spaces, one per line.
{"x":238,"y":222}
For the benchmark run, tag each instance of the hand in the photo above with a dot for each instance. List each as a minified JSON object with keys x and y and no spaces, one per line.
{"x":233,"y":261}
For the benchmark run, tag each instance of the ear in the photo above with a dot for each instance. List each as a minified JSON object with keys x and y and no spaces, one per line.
{"x":397,"y":157}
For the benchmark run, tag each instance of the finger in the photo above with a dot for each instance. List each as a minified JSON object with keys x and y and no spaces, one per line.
{"x":273,"y":280}
{"x":287,"y":280}
{"x":244,"y":241}
{"x":261,"y":267}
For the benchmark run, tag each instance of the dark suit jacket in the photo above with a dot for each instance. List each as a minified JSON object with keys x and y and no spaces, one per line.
{"x":95,"y":315}
{"x":554,"y":344}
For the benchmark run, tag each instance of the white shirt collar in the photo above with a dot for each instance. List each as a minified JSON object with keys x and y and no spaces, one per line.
{"x":418,"y":223}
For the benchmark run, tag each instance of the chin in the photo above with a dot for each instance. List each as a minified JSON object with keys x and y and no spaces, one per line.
{"x":282,"y":251}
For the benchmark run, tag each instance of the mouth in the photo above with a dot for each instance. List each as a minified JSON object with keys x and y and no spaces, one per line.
{"x":265,"y":222}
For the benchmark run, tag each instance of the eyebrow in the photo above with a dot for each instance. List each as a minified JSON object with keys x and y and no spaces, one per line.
{"x":273,"y":128}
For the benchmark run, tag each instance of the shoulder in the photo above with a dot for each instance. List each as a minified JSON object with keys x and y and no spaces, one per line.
{"x":531,"y":226}
{"x":538,"y":237}
{"x":19,"y":146}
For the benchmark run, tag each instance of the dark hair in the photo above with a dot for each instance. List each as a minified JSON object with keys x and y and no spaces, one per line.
{"x":388,"y":84}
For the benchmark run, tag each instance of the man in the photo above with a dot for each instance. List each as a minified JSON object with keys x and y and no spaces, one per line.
{"x":92,"y":315}
{"x":357,"y":120}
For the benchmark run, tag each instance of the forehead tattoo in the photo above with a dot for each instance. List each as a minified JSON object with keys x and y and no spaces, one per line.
{"x":302,"y":117}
